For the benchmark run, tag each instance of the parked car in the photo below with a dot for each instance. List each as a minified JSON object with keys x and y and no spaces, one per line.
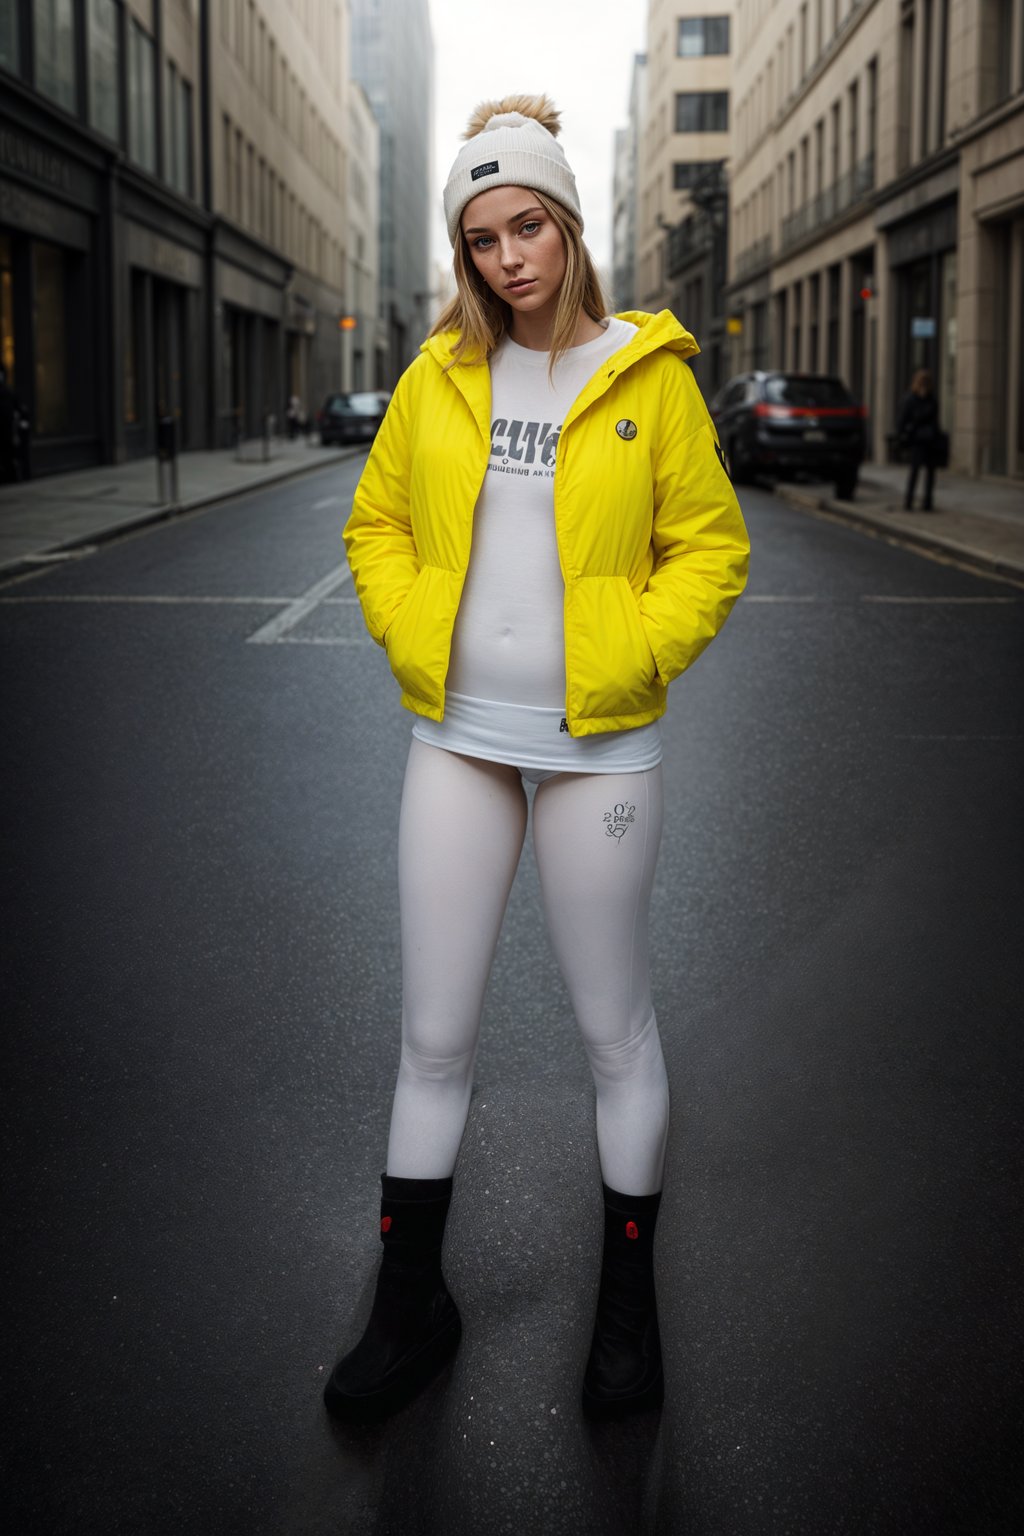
{"x":787,"y":426}
{"x":351,"y":418}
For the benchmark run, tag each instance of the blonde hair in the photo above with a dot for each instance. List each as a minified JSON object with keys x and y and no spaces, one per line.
{"x":482,"y":318}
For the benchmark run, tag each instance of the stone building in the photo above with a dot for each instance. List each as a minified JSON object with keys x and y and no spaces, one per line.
{"x":278,"y":128}
{"x":684,"y":143}
{"x":393,"y":60}
{"x":365,"y":358}
{"x":877,"y":221}
{"x":174,"y":216}
{"x":624,"y":193}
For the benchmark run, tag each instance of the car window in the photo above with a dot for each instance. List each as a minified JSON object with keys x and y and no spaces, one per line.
{"x":805,"y":389}
{"x":731,"y":394}
{"x":365,"y":404}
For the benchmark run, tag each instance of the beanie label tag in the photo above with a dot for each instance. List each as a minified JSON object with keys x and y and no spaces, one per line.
{"x":489,"y":168}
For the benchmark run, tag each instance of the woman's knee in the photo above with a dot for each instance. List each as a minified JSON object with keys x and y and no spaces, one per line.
{"x":430,"y":1064}
{"x":627,"y":1058}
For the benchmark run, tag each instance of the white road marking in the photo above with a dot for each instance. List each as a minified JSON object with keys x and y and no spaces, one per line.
{"x":324,"y":640}
{"x":326,"y":501}
{"x":958,"y":738}
{"x":281,"y":623}
{"x":867,"y":598}
{"x":145,"y":598}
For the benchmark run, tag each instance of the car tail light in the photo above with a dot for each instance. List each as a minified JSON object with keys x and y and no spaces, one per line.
{"x":815,"y":412}
{"x":774,"y":412}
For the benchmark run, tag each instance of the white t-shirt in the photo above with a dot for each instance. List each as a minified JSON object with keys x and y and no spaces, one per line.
{"x":509,"y":642}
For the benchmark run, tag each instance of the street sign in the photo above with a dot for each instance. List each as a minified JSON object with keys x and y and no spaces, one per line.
{"x":922,"y":327}
{"x":347,"y":323}
{"x":734,"y":325}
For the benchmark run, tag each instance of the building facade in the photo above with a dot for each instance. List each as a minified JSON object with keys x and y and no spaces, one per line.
{"x":624,"y":192}
{"x":102,"y":230}
{"x":278,"y":130}
{"x":685,"y":142}
{"x":393,"y":60}
{"x":365,"y":359}
{"x":174,"y":214}
{"x":878,"y":206}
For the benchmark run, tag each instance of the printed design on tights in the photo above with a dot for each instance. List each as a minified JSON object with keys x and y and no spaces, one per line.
{"x":618,"y":821}
{"x":524,"y":447}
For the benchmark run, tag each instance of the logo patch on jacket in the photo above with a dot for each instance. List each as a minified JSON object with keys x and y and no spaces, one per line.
{"x":626,"y":429}
{"x":489,"y":168}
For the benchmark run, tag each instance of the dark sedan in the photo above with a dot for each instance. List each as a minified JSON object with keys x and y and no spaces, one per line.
{"x":787,"y":426}
{"x":351,"y":418}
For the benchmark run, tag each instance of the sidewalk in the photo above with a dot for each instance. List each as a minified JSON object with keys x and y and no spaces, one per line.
{"x":43,"y":520}
{"x":978,"y":523}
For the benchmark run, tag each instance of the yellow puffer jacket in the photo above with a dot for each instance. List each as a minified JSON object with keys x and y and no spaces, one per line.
{"x":650,"y":537}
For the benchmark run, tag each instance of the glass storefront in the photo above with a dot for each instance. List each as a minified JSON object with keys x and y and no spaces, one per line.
{"x":8,"y":349}
{"x":51,"y":404}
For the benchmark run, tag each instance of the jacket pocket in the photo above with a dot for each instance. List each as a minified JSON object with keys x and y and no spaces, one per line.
{"x":418,"y":638}
{"x":611,"y":665}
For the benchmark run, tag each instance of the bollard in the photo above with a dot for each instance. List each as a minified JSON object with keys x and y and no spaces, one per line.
{"x":269,"y":420}
{"x":167,"y":461}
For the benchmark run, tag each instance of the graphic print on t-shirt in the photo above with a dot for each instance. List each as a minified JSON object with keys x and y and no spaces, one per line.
{"x":524,"y":447}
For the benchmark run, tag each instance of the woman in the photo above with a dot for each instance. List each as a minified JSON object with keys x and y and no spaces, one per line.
{"x":542,"y":538}
{"x":919,"y":431}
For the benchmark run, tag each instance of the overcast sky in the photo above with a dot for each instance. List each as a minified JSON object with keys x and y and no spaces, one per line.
{"x":580,"y":52}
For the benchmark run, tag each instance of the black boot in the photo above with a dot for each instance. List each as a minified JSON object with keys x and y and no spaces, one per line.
{"x":624,"y":1372}
{"x":414,"y":1327}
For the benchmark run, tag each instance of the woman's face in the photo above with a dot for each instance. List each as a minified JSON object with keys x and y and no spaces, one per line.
{"x":516,"y":247}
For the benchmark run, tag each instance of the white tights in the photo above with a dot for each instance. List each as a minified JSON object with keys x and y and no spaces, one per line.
{"x":462,"y":827}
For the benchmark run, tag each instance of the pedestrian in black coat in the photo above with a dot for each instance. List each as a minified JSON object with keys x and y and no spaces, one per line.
{"x":919,"y":431}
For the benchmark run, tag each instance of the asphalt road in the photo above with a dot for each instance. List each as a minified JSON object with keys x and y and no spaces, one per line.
{"x":201,"y":782}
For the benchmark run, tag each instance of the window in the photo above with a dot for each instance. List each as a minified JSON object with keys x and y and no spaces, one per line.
{"x":9,"y":35}
{"x":872,"y":123}
{"x":686,"y":174}
{"x":227,"y":167}
{"x":178,"y":131}
{"x":104,"y":81}
{"x":851,"y":126}
{"x":141,"y":98}
{"x":702,"y":112}
{"x":702,"y":35}
{"x":55,"y":50}
{"x":803,"y":40}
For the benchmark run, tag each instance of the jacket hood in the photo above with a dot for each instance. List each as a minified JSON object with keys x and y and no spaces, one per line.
{"x":653,"y":331}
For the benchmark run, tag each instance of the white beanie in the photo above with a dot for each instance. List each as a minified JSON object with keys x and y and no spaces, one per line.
{"x":511,"y":143}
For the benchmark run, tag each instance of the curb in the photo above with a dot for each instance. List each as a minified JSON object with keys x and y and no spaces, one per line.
{"x":22,"y":564}
{"x":921,"y":540}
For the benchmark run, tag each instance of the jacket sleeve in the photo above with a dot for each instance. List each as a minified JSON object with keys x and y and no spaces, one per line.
{"x":378,"y":535}
{"x":701,"y":548}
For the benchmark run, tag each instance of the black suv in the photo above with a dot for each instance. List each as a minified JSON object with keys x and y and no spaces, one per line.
{"x":788,"y":425}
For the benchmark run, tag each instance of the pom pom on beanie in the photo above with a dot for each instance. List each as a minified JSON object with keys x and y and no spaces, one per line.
{"x":510,"y":143}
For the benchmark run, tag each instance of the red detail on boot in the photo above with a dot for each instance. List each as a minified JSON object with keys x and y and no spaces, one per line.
{"x":632,"y":1230}
{"x":385,"y":1223}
